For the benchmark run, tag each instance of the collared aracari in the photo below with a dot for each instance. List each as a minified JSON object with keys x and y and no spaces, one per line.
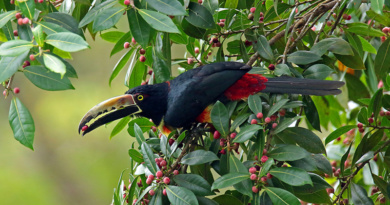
{"x":189,"y":97}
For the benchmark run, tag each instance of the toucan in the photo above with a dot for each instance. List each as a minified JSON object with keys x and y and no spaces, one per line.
{"x":188,"y":98}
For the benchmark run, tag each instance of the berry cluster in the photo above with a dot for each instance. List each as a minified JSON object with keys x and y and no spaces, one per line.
{"x":142,"y":51}
{"x":385,"y":30}
{"x":255,"y":171}
{"x":225,"y":143}
{"x":268,"y":120}
{"x":251,"y":15}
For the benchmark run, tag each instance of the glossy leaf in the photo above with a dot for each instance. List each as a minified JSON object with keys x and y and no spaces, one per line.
{"x":148,"y":156}
{"x":311,"y":112}
{"x":90,"y":16}
{"x":303,"y":57}
{"x":181,"y":196}
{"x":254,"y":103}
{"x":112,"y":36}
{"x":244,"y":187}
{"x":120,"y":65}
{"x":64,"y":20}
{"x":352,"y":61}
{"x":140,"y":30}
{"x":21,"y":123}
{"x":54,"y":64}
{"x":46,"y":80}
{"x":276,"y":107}
{"x":287,"y":153}
{"x":367,"y":46}
{"x":195,"y":183}
{"x":169,"y":7}
{"x":359,"y":195}
{"x":382,"y":60}
{"x":28,"y":8}
{"x":136,"y":156}
{"x":281,"y":197}
{"x":67,"y":41}
{"x":377,"y":5}
{"x":120,"y":126}
{"x":10,"y":65}
{"x":107,"y":19}
{"x":199,"y":16}
{"x":266,"y":166}
{"x":264,"y":49}
{"x":376,"y":103}
{"x":139,"y":135}
{"x":15,"y":47}
{"x":285,"y":123}
{"x":143,"y":123}
{"x":6,"y":17}
{"x":50,"y":28}
{"x":158,"y":21}
{"x":38,"y":35}
{"x":229,"y":180}
{"x":246,"y":133}
{"x":317,"y":71}
{"x":338,"y":132}
{"x":119,"y":45}
{"x":199,"y":157}
{"x":137,"y":74}
{"x":220,"y":118}
{"x":304,"y":138}
{"x":291,"y":175}
{"x":364,"y":30}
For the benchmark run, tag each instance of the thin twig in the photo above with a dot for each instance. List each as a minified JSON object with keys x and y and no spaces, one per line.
{"x":337,"y":20}
{"x":325,"y":23}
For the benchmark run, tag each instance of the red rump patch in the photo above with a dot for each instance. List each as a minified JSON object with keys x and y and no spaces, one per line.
{"x":249,"y":84}
{"x":205,"y":117}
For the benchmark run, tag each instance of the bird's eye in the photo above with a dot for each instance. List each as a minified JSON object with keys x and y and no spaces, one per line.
{"x":140,"y":97}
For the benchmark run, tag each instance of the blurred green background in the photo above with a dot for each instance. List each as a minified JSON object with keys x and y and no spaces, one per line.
{"x":65,"y":168}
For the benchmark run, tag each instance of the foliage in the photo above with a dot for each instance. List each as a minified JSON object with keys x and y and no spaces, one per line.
{"x":259,"y":159}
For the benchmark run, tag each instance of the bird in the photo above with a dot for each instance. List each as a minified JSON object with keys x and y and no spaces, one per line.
{"x":188,"y":98}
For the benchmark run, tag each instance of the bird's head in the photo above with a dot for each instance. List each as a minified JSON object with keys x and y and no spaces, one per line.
{"x":146,"y":100}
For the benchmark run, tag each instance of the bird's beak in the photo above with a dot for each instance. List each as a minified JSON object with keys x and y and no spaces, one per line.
{"x":116,"y":108}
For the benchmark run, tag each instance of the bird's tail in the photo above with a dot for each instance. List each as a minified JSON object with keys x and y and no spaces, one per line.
{"x":292,"y":85}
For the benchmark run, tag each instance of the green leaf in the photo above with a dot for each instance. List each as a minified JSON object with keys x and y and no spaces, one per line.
{"x":290,"y":18}
{"x":211,"y":5}
{"x":231,"y":4}
{"x":303,"y":57}
{"x":136,"y":156}
{"x":27,"y":7}
{"x":158,"y":21}
{"x":119,"y":45}
{"x":54,"y":64}
{"x":352,"y":61}
{"x":169,"y":7}
{"x":10,"y":65}
{"x":160,"y":68}
{"x":64,"y":20}
{"x":304,"y":138}
{"x":137,"y":74}
{"x":364,"y":30}
{"x":142,"y":122}
{"x":338,"y":132}
{"x":282,"y":69}
{"x":6,"y":17}
{"x":67,"y":41}
{"x":264,"y":49}
{"x":227,"y":199}
{"x":199,"y":157}
{"x":157,"y":199}
{"x":281,"y":197}
{"x":254,"y":103}
{"x":377,"y":5}
{"x":284,"y":124}
{"x":181,"y":196}
{"x":139,"y":135}
{"x":112,"y":36}
{"x":246,"y":133}
{"x":21,"y":123}
{"x":382,"y":185}
{"x":382,"y":60}
{"x":343,"y":158}
{"x":90,"y":16}
{"x":199,"y":16}
{"x":359,"y":195}
{"x":120,"y":65}
{"x":140,"y":30}
{"x":367,"y":46}
{"x":287,"y":153}
{"x":148,"y":156}
{"x":50,"y":28}
{"x":229,"y":180}
{"x":220,"y":118}
{"x":205,"y":201}
{"x":266,"y":166}
{"x":15,"y":47}
{"x":195,"y":183}
{"x":276,"y":107}
{"x":164,"y":146}
{"x":291,"y":175}
{"x":47,"y":80}
{"x":311,"y":113}
{"x":120,"y":126}
{"x":38,"y":35}
{"x":244,"y":187}
{"x":107,"y":18}
{"x":376,"y":103}
{"x":317,"y":71}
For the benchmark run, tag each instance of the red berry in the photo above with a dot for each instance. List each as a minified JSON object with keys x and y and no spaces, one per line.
{"x":133,"y":40}
{"x":217,"y":135}
{"x":361,"y":130}
{"x":271,"y":67}
{"x":251,"y":16}
{"x":163,"y":163}
{"x":20,"y":21}
{"x":360,"y":125}
{"x":200,"y":1}
{"x":274,"y":125}
{"x":32,"y":57}
{"x":142,"y":58}
{"x":16,"y":90}
{"x":326,"y":175}
{"x":263,"y":179}
{"x":171,"y":141}
{"x":382,"y":200}
{"x":269,"y":176}
{"x":261,"y":14}
{"x":383,"y":38}
{"x":222,"y":20}
{"x":255,"y":189}
{"x":151,"y":176}
{"x":386,"y":30}
{"x":233,"y":135}
{"x":124,"y":195}
{"x":151,"y":192}
{"x":264,"y":159}
{"x":345,"y":16}
{"x":253,"y":177}
{"x":349,"y":17}
{"x":26,"y":20}
{"x":375,"y":158}
{"x":264,"y":151}
{"x":11,"y":1}
{"x":127,"y":2}
{"x":329,"y":23}
{"x":16,"y":33}
{"x":196,"y":50}
{"x":333,"y":163}
{"x":259,"y":115}
{"x":18,"y":15}
{"x":221,"y":24}
{"x":223,"y":151}
{"x":5,"y":92}
{"x":218,"y":44}
{"x":370,"y":120}
{"x":215,"y":40}
{"x":164,"y":192}
{"x":252,"y":10}
{"x":85,"y":127}
{"x":149,"y":181}
{"x":142,"y":51}
{"x":346,"y":163}
{"x":382,"y":113}
{"x":175,"y":172}
{"x":267,"y":120}
{"x":126,"y":45}
{"x":167,"y":180}
{"x":330,"y":190}
{"x":252,"y":170}
{"x":190,"y":60}
{"x":261,"y":19}
{"x":247,"y":43}
{"x":40,"y":1}
{"x":253,"y":121}
{"x":159,"y":174}
{"x":282,"y":112}
{"x":333,"y":169}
